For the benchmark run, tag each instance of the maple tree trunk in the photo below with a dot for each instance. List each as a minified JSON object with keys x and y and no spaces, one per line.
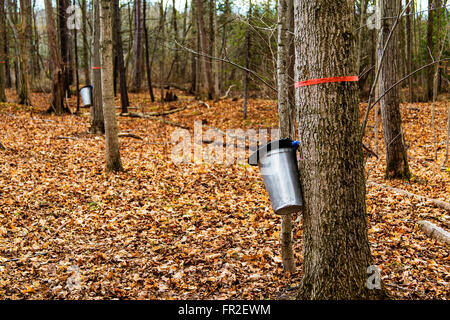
{"x":22,"y":71}
{"x":87,"y":77}
{"x":214,"y":48}
{"x":204,"y":49}
{"x":162,"y":54}
{"x":428,"y":90}
{"x":396,"y":157}
{"x":409,"y":53}
{"x":97,"y":118}
{"x":64,"y":44}
{"x":119,"y":58}
{"x":285,"y":120}
{"x":137,"y":48}
{"x":147,"y":58}
{"x":113,"y":161}
{"x":57,"y":103}
{"x":336,"y":251}
{"x":2,"y":52}
{"x":247,"y":61}
{"x":5,"y":50}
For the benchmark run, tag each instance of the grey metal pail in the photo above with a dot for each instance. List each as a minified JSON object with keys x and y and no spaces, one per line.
{"x":86,"y":95}
{"x":277,"y":161}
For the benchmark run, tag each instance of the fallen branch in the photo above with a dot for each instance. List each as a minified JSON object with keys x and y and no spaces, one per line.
{"x":163,"y":113}
{"x":228,"y":92}
{"x":434,"y":231}
{"x":129,"y":135}
{"x":438,"y":203}
{"x":203,"y":103}
{"x":66,"y":138}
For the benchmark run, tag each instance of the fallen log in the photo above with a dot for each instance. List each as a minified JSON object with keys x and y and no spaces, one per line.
{"x":434,"y":231}
{"x":438,"y":203}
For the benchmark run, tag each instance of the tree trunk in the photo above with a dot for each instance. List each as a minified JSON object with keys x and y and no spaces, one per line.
{"x":335,"y":238}
{"x":396,"y":157}
{"x":5,"y":51}
{"x":147,"y":58}
{"x":35,"y":43}
{"x":97,"y":118}
{"x":136,"y":79}
{"x":428,"y":90}
{"x":77,"y":73}
{"x":214,"y":48}
{"x":285,"y":119}
{"x":194,"y":60}
{"x":2,"y":52}
{"x":113,"y":162}
{"x":64,"y":44}
{"x":57,"y":103}
{"x":119,"y":58}
{"x":247,"y":60}
{"x":87,"y":76}
{"x":409,"y":53}
{"x":162,"y":21}
{"x":22,"y":74}
{"x":204,"y":48}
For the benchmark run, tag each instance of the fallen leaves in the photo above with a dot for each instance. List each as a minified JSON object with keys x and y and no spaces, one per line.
{"x":166,"y":231}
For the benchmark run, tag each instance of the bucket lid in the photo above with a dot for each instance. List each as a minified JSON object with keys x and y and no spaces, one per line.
{"x":88,"y":86}
{"x":273,"y":145}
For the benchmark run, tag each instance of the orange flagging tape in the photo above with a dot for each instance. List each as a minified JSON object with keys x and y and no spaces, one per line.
{"x":325,"y":80}
{"x":2,"y":61}
{"x":96,"y":68}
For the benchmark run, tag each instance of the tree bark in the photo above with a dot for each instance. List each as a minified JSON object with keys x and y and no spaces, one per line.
{"x":147,"y":58}
{"x":285,"y":120}
{"x":247,"y":60}
{"x":335,"y":238}
{"x":64,"y":44}
{"x":2,"y":52}
{"x":119,"y":58}
{"x":87,"y":76}
{"x":57,"y":103}
{"x":204,"y":48}
{"x":136,"y":79}
{"x":428,"y":90}
{"x":409,"y":53}
{"x":22,"y":82}
{"x":396,"y":157}
{"x":113,"y":161}
{"x":97,"y":118}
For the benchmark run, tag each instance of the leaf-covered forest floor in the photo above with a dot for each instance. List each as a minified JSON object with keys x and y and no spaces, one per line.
{"x":164,"y":231}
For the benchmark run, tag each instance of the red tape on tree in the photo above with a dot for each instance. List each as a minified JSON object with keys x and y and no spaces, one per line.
{"x":96,"y":68}
{"x":325,"y":80}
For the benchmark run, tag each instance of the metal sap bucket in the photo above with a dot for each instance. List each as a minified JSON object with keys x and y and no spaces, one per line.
{"x":277,"y":162}
{"x":86,"y":95}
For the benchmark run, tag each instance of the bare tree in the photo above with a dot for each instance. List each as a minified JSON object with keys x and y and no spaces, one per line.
{"x":57,"y":103}
{"x":204,"y":48}
{"x":137,"y":48}
{"x":119,"y":58}
{"x":97,"y":118}
{"x":285,"y":120}
{"x":247,"y":59}
{"x":113,"y":161}
{"x":396,"y":157}
{"x":2,"y":52}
